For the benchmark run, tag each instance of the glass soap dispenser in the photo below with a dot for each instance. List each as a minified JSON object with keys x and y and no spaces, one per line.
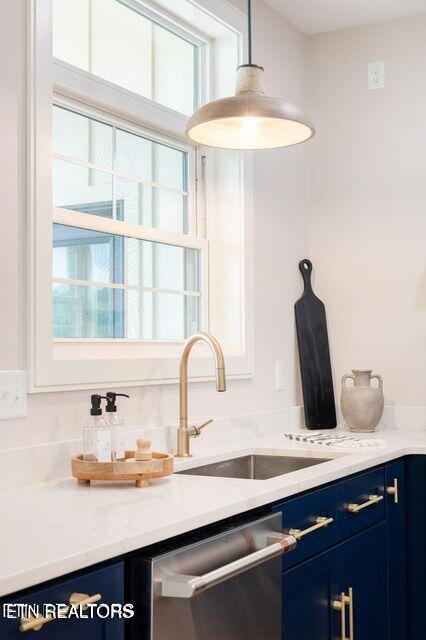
{"x":95,"y":428}
{"x":116,"y":422}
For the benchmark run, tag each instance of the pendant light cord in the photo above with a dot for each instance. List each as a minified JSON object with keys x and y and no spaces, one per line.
{"x":250,"y":34}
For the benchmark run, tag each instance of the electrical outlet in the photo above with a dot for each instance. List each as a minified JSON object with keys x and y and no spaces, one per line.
{"x":13,"y":394}
{"x":279,"y":375}
{"x":376,"y":75}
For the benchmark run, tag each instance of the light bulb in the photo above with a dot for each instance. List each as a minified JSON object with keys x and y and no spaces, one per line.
{"x":249,"y":127}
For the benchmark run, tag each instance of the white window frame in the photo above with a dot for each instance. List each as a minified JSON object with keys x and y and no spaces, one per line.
{"x":65,"y":364}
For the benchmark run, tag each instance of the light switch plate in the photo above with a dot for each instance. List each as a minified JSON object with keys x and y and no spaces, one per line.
{"x":13,"y":394}
{"x":376,"y":75}
{"x":280,"y":375}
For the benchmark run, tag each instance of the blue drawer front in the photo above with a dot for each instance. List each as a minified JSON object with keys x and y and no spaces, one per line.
{"x":108,"y":581}
{"x":301,"y":513}
{"x":358,"y":491}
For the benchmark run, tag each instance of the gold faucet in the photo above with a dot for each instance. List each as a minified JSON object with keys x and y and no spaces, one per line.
{"x":185,"y":432}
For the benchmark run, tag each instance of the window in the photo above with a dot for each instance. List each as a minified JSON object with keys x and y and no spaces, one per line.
{"x":110,"y":39}
{"x":138,"y":239}
{"x":120,"y":285}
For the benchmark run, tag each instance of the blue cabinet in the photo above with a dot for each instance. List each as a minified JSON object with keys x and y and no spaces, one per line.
{"x":362,"y":569}
{"x":308,"y":593}
{"x":313,"y":591}
{"x":416,"y":545}
{"x":358,"y":491}
{"x":107,"y":581}
{"x":396,"y":549}
{"x":360,"y":557}
{"x":303,"y":512}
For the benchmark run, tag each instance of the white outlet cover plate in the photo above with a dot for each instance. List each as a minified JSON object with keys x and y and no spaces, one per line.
{"x":376,"y":75}
{"x":280,"y":375}
{"x":13,"y":394}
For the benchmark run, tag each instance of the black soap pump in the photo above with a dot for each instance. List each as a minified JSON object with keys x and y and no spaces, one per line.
{"x":116,"y":421}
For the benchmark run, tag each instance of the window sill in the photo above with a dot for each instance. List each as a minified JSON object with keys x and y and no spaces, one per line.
{"x":237,"y":368}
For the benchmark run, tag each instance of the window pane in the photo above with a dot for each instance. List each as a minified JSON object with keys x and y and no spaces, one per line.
{"x":82,"y":138}
{"x":82,"y":189}
{"x":161,"y":316}
{"x":80,"y":254}
{"x":117,"y":43}
{"x":174,"y":71}
{"x":169,"y":167}
{"x":90,"y":311}
{"x":169,"y":210}
{"x":141,"y":204}
{"x":133,"y":155}
{"x":122,"y":46}
{"x":71,"y":32}
{"x":162,"y":266}
{"x":87,"y":312}
{"x":143,"y":159}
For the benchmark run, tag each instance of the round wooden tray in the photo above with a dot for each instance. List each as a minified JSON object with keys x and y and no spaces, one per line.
{"x":141,"y":471}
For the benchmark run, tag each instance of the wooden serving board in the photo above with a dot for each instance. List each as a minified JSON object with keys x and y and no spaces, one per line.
{"x":314,"y":355}
{"x":141,"y":471}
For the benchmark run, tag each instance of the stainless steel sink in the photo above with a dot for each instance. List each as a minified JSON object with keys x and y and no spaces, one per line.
{"x":253,"y":467}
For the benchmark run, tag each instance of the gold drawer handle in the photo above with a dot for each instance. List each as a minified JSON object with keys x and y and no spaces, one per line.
{"x":321,"y":521}
{"x":35,"y":624}
{"x":340,"y":605}
{"x":355,"y":508}
{"x":393,"y":490}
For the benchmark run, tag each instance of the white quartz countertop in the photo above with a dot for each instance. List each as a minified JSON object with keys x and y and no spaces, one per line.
{"x":51,"y":529}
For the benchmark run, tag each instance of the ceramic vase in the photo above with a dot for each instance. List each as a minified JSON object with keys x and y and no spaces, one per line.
{"x":361,"y":403}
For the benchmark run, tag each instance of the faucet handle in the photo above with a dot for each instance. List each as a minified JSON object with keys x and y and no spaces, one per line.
{"x":196,"y":429}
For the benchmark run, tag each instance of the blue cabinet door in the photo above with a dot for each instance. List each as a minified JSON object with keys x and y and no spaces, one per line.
{"x":308,"y":593}
{"x":415,"y":468}
{"x":107,"y":581}
{"x":362,"y":567}
{"x":396,"y":549}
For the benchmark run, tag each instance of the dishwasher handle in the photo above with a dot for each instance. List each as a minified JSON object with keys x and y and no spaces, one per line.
{"x":181,"y":586}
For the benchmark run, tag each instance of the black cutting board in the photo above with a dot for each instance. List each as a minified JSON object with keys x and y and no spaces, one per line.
{"x":314,"y":355}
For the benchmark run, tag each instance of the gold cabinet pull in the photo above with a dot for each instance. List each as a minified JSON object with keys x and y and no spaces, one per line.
{"x":321,"y":521}
{"x":340,"y":605}
{"x":372,"y":500}
{"x":393,"y":490}
{"x":36,"y":623}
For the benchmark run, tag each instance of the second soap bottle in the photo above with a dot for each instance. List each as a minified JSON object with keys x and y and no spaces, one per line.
{"x":116,"y":423}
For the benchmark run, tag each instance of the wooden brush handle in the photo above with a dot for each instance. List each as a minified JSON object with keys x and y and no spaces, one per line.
{"x":143,"y":451}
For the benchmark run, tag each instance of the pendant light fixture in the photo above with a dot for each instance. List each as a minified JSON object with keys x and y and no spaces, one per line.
{"x":250,"y":119}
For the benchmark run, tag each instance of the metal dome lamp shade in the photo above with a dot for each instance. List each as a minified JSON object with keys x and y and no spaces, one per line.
{"x":250,"y":119}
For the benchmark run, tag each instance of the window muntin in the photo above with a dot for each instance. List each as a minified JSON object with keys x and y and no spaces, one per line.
{"x":110,"y":286}
{"x":107,"y":171}
{"x":113,"y":41}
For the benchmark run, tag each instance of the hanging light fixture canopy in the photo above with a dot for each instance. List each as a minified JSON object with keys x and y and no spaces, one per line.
{"x":250,"y":119}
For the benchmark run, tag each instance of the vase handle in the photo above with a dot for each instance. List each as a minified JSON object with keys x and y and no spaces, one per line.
{"x":379,"y":380}
{"x":345,"y":377}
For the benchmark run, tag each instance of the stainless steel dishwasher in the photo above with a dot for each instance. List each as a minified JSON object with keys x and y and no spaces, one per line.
{"x":223,"y":587}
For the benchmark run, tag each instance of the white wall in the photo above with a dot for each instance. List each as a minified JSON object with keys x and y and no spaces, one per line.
{"x":280,"y":241}
{"x":368,"y":228}
{"x":12,"y":183}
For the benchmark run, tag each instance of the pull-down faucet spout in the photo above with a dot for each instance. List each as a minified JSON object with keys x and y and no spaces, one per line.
{"x":185,"y":432}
